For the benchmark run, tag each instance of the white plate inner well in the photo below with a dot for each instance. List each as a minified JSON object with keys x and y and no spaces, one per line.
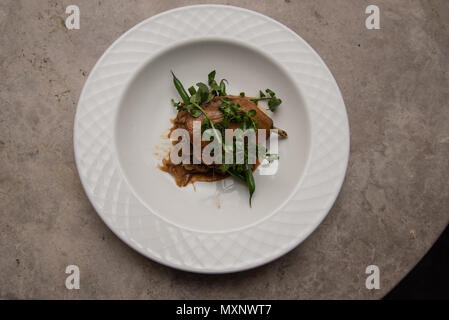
{"x":144,"y":114}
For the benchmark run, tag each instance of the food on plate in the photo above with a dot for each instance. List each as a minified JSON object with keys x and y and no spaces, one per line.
{"x":210,"y":108}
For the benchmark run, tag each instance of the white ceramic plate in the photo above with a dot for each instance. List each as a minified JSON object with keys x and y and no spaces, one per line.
{"x":125,"y":107}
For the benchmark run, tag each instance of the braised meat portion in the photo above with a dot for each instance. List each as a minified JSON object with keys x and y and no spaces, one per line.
{"x":185,"y":120}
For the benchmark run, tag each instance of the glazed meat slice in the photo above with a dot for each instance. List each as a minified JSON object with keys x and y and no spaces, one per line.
{"x":186,"y":121}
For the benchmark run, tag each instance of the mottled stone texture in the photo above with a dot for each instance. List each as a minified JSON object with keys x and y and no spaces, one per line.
{"x":391,"y":209}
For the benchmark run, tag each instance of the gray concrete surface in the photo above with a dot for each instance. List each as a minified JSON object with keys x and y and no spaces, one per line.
{"x":392,"y":207}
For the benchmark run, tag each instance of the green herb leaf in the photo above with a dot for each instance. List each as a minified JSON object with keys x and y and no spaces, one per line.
{"x":211,"y":76}
{"x":177,"y":105}
{"x":223,"y":87}
{"x":270,"y":92}
{"x":192,"y":90}
{"x":196,"y":98}
{"x":252,"y":113}
{"x":193,"y":110}
{"x":210,"y":97}
{"x":203,"y":92}
{"x":205,"y":125}
{"x":274,"y":103}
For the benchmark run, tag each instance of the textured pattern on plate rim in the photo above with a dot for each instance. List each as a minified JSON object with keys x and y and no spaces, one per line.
{"x":170,"y":244}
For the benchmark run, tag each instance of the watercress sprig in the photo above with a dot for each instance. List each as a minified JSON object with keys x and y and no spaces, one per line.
{"x":232,"y":113}
{"x":273,"y":101}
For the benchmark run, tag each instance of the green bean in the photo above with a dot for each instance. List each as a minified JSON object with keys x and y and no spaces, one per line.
{"x":250,"y":182}
{"x":180,"y":88}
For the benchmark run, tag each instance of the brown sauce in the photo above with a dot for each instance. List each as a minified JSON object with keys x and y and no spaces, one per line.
{"x":183,"y":177}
